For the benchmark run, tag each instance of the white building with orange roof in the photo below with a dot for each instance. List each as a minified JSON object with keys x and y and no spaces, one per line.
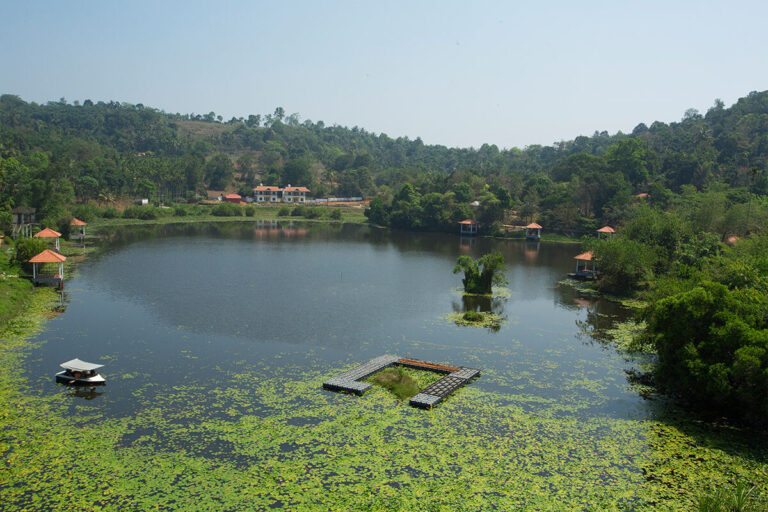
{"x":295,"y":194}
{"x":289,"y":194}
{"x":266,"y":194}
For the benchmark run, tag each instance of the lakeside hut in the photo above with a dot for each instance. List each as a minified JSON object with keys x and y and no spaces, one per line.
{"x":49,"y":233}
{"x":23,"y":219}
{"x":533,"y":231}
{"x":583,"y":270}
{"x":468,"y":227}
{"x":233,"y":198}
{"x":39,"y":274}
{"x":606,"y":231}
{"x":79,"y":232}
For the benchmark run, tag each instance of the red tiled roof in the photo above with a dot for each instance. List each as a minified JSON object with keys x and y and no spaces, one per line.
{"x":233,"y":196}
{"x":533,"y":225}
{"x":77,"y":222}
{"x":585,"y":256}
{"x":47,"y":256}
{"x":48,"y":233}
{"x":296,"y":189}
{"x":642,"y":194}
{"x":467,"y":221}
{"x":606,"y":229}
{"x":264,"y":188}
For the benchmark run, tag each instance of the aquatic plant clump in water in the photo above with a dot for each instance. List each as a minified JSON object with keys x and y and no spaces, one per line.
{"x":487,"y":320}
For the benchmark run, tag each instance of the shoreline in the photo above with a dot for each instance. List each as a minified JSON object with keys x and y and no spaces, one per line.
{"x":98,"y":226}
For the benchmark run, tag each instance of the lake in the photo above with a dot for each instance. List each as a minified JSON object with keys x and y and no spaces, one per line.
{"x":216,"y":339}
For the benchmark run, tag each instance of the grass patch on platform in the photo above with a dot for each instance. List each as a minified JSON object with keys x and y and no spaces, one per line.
{"x":403,"y":382}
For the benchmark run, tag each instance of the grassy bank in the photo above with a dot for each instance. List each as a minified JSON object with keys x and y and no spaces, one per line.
{"x":199,"y":215}
{"x":14,"y":290}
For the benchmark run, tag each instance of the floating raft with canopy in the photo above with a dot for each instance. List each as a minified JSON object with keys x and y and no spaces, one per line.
{"x":455,"y":377}
{"x":80,"y":373}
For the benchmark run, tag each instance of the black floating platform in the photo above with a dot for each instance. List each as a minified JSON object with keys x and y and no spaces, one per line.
{"x":456,"y":377}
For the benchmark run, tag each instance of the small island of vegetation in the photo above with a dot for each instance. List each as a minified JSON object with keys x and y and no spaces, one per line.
{"x":480,"y":275}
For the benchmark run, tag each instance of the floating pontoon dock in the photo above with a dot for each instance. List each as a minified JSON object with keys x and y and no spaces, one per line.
{"x":456,"y":376}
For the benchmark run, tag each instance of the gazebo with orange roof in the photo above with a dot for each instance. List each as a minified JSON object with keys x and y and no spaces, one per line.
{"x":48,"y":256}
{"x":585,"y":272}
{"x":77,"y":223}
{"x":468,"y":227}
{"x":608,"y":231}
{"x":533,"y":231}
{"x":49,"y":233}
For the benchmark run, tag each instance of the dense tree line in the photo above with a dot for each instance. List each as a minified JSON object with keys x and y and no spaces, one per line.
{"x":707,"y":310}
{"x":55,"y":154}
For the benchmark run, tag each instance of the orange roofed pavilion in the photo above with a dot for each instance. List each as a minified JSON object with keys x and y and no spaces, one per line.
{"x":585,"y":272}
{"x":533,"y":231}
{"x":78,"y":224}
{"x":49,"y":233}
{"x":606,"y":230}
{"x":468,"y":227}
{"x":48,"y":256}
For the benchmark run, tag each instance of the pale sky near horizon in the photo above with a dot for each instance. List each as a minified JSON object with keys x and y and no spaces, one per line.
{"x":452,"y":73}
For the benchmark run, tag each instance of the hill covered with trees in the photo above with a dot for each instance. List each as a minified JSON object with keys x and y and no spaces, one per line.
{"x":58,"y":154}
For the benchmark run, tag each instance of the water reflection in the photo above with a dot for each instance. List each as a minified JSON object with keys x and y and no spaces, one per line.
{"x":466,"y":243}
{"x":480,"y":303}
{"x":86,"y":393}
{"x":531,"y":251}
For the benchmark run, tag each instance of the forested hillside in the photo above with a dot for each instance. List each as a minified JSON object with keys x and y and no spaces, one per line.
{"x":57,"y":154}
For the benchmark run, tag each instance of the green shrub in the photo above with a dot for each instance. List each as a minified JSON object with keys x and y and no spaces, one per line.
{"x":131,"y":212}
{"x":284,"y":211}
{"x":26,"y":248}
{"x":110,"y":213}
{"x":141,"y":212}
{"x":227,"y":210}
{"x":180,"y":211}
{"x":712,"y":346}
{"x":299,"y":211}
{"x":85,"y":212}
{"x":250,"y":211}
{"x":336,"y":214}
{"x":744,"y":498}
{"x":624,"y":265}
{"x":473,"y":316}
{"x":64,"y":226}
{"x":314,"y":213}
{"x":148,"y":213}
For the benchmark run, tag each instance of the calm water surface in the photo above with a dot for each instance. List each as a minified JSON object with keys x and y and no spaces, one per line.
{"x":185,"y":305}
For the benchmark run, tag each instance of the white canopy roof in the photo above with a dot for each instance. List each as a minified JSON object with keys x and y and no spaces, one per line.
{"x":77,"y":365}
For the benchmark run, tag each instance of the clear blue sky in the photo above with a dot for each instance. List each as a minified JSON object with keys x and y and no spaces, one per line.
{"x":453,"y":73}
